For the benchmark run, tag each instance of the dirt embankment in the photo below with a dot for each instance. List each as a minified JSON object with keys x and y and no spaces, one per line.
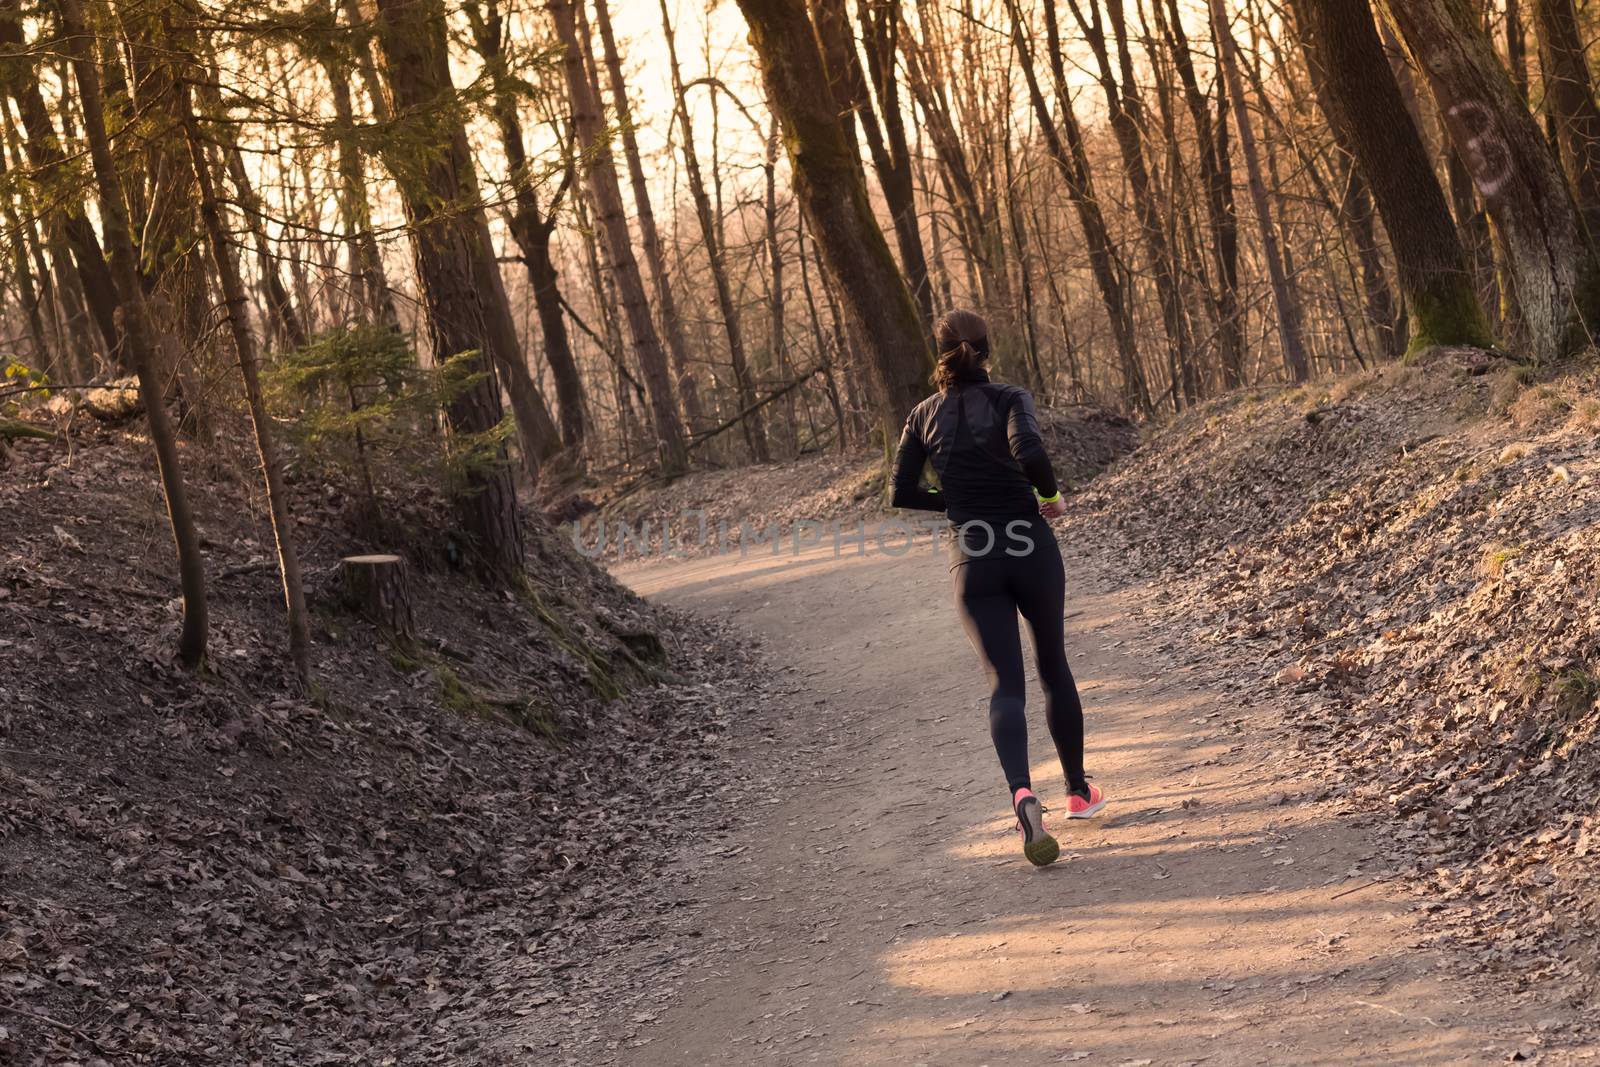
{"x":1411,"y":560}
{"x":214,"y":868}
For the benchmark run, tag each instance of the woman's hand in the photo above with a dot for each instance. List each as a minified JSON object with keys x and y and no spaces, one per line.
{"x":1053,"y":509}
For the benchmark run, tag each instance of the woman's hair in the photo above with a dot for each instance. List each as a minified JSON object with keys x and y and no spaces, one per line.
{"x":962,"y":338}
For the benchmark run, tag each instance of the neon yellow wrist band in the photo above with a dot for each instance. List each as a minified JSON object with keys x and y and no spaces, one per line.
{"x":1048,"y":499}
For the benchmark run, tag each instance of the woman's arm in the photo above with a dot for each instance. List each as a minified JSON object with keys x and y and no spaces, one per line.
{"x":1022,"y":431}
{"x":907,"y":490}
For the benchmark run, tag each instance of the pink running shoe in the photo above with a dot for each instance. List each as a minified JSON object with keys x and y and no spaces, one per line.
{"x":1037,"y":844}
{"x":1085,"y":805}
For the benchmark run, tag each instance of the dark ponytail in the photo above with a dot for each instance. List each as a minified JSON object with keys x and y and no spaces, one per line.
{"x":962,"y":338}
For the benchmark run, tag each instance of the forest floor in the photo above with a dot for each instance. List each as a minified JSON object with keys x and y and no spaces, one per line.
{"x":220,"y":868}
{"x":1335,"y":644}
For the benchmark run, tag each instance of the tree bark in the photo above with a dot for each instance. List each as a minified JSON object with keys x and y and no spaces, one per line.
{"x":834,"y":401}
{"x":1363,"y":103}
{"x":601,"y":178}
{"x":880,"y":32}
{"x":886,"y":139}
{"x":378,"y":588}
{"x":1569,"y":94}
{"x":1516,"y":47}
{"x":28,"y":296}
{"x":139,"y":343}
{"x":366,"y":261}
{"x":290,"y":327}
{"x":169,"y":239}
{"x":777,"y":340}
{"x":447,"y":246}
{"x":1290,"y":327}
{"x":831,"y":189}
{"x":1549,"y":260}
{"x":942,"y":74}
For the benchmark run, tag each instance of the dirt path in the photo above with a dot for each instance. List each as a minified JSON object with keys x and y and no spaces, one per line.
{"x":874,"y":908}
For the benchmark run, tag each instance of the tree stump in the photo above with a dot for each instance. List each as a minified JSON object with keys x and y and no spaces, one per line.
{"x":377,"y":588}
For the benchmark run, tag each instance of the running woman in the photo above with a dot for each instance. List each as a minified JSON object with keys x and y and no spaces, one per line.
{"x":999,"y":491}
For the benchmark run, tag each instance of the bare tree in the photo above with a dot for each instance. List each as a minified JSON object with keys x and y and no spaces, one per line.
{"x":753,"y":427}
{"x":601,"y":178}
{"x":135,"y":322}
{"x":1284,"y":297}
{"x":666,"y":303}
{"x":235,"y":305}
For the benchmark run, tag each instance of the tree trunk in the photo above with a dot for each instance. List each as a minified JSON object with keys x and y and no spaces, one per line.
{"x":601,"y":177}
{"x":537,"y":431}
{"x":1126,"y":108}
{"x":1549,"y":260}
{"x":290,"y":327}
{"x":1290,"y":329}
{"x":366,"y":261}
{"x":666,"y":303}
{"x":530,"y":227}
{"x":139,"y":344}
{"x":447,"y":246}
{"x":236,"y":305}
{"x":378,"y":588}
{"x":754,"y":429}
{"x":1216,"y":176}
{"x":28,"y":297}
{"x":533,"y":234}
{"x":1363,"y":103}
{"x":880,"y":31}
{"x":1024,"y":256}
{"x":840,"y":420}
{"x":831,"y":189}
{"x":170,"y":259}
{"x":1355,"y":209}
{"x":886,"y":139}
{"x":777,"y":341}
{"x":943,"y":83}
{"x":1569,"y":94}
{"x":44,"y":151}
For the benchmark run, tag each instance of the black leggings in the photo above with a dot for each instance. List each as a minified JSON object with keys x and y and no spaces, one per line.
{"x":989,"y":592}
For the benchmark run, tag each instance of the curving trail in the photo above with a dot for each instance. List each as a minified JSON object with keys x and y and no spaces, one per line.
{"x":880,"y":912}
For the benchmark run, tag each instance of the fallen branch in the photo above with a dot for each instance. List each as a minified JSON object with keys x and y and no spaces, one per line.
{"x":1359,"y":888}
{"x":66,"y":1028}
{"x":706,"y":435}
{"x":577,"y":319}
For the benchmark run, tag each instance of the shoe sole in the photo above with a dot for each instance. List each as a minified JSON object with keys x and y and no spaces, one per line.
{"x":1090,"y":812}
{"x":1043,"y":852}
{"x":1043,"y":849}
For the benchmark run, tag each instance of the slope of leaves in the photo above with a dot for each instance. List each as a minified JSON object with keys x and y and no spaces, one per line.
{"x":217,"y":869}
{"x":1412,"y":558}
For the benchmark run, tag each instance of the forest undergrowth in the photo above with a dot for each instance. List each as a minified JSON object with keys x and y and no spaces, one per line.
{"x":221,"y":868}
{"x":1408,"y":561}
